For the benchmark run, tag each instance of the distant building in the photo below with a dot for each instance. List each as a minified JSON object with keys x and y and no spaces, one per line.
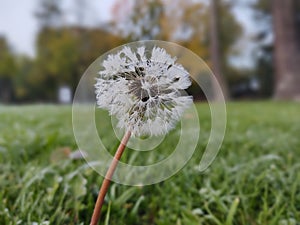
{"x":64,"y":95}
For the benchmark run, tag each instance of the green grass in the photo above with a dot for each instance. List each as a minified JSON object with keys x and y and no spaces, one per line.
{"x":254,"y":180}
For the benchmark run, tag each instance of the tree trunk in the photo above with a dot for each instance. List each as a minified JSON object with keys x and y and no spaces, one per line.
{"x":287,"y":50}
{"x":215,"y":52}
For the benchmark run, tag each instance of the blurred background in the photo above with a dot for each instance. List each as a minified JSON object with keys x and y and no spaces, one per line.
{"x":253,"y":46}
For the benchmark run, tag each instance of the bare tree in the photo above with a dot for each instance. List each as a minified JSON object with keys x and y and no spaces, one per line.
{"x":287,"y":49}
{"x":49,"y":13}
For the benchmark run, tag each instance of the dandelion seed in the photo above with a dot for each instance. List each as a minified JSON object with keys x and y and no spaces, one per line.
{"x":144,"y":90}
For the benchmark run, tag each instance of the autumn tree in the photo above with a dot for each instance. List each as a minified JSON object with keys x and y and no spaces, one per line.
{"x":142,"y":21}
{"x":42,"y":79}
{"x":185,"y":22}
{"x":56,"y":63}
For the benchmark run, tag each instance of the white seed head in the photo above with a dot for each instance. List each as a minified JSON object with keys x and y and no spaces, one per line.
{"x":143,"y":89}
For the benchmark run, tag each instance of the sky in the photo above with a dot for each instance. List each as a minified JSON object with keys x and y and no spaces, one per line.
{"x":19,"y":25}
{"x":246,"y":43}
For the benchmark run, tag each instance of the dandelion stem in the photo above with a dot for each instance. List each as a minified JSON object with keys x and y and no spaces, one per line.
{"x":107,"y":179}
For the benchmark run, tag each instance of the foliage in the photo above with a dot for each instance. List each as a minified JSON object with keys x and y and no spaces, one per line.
{"x":227,"y":39}
{"x":145,"y":20}
{"x":7,"y":60}
{"x":189,"y":26}
{"x":254,"y":179}
{"x":22,"y":85}
{"x":63,"y":54}
{"x":57,"y":57}
{"x":7,"y":71}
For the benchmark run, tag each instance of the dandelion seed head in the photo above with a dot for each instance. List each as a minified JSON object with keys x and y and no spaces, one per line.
{"x":143,"y":89}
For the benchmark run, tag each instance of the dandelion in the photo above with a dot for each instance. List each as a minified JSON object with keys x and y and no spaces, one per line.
{"x":144,"y":90}
{"x":144,"y":93}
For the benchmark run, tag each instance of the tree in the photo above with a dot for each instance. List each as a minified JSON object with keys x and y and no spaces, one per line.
{"x":287,"y":49}
{"x":281,"y":18}
{"x":264,"y":70}
{"x":142,"y":21}
{"x":8,"y":69}
{"x":56,"y":63}
{"x":23,"y":91}
{"x":189,"y":26}
{"x":63,"y":54}
{"x":215,"y":50}
{"x":49,"y":13}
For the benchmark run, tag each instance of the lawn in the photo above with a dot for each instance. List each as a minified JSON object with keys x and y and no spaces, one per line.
{"x":254,"y":180}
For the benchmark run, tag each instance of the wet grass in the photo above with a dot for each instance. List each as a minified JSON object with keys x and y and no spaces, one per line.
{"x":254,"y":180}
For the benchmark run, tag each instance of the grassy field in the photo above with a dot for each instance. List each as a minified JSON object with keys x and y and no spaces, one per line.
{"x":255,"y":179}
